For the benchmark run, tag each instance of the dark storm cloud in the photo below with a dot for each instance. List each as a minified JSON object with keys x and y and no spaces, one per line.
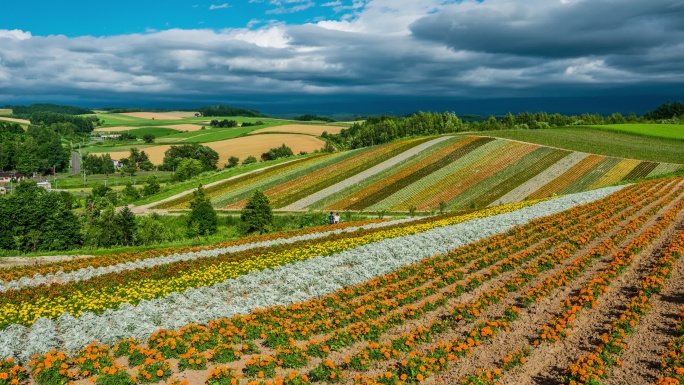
{"x":432,"y":48}
{"x":556,"y":28}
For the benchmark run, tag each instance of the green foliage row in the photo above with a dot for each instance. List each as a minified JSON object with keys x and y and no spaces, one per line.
{"x":24,"y":112}
{"x":228,"y":111}
{"x":39,"y":149}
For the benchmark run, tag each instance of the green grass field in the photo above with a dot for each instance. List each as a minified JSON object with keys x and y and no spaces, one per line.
{"x":667,"y":131}
{"x":602,"y":142}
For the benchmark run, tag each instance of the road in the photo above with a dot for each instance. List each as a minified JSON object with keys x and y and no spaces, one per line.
{"x":75,"y":163}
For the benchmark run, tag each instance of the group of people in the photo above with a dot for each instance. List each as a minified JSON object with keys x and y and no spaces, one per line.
{"x":334,"y":219}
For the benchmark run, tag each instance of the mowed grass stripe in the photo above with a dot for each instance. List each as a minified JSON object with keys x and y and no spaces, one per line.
{"x":476,"y":173}
{"x":542,"y":159}
{"x":347,"y":195}
{"x":500,"y":170}
{"x":641,"y":170}
{"x":582,"y":183}
{"x":421,"y":172}
{"x":424,"y":188}
{"x":309,"y":184}
{"x":616,"y":173}
{"x":567,"y":177}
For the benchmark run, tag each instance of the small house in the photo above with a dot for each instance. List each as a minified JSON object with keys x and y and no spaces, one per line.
{"x":7,"y":177}
{"x":45,"y":184}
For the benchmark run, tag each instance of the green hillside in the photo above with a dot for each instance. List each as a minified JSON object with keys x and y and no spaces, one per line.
{"x":428,"y":173}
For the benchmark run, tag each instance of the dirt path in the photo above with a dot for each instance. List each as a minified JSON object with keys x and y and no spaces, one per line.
{"x":25,"y":261}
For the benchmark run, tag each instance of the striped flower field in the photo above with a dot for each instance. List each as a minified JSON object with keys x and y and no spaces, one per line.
{"x":505,"y":294}
{"x":428,"y":173}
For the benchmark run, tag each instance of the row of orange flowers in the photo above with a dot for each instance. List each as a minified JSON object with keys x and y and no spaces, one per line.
{"x":591,"y":368}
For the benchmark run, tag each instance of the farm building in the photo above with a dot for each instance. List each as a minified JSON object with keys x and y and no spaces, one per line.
{"x":7,"y":177}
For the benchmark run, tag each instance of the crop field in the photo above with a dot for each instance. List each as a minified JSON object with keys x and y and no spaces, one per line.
{"x":241,"y":147}
{"x":457,"y":172}
{"x":139,"y":132}
{"x":5,"y":111}
{"x":602,"y":142}
{"x":580,"y":289}
{"x":668,"y":131}
{"x":20,"y":121}
{"x":315,"y":130}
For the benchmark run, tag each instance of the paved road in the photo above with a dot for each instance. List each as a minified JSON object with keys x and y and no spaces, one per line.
{"x":75,"y":164}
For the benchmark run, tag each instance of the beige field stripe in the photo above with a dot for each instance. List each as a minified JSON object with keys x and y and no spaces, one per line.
{"x":567,"y":177}
{"x":317,"y":196}
{"x":532,"y":185}
{"x":616,"y":173}
{"x":476,"y":176}
{"x":375,"y":187}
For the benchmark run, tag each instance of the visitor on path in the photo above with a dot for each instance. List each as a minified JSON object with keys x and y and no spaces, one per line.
{"x":331,"y":218}
{"x":337,"y":218}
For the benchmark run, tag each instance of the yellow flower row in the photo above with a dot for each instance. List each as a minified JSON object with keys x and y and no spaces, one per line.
{"x":97,"y":300}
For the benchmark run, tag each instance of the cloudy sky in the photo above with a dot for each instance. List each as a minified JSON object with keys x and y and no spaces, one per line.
{"x":351,"y":55}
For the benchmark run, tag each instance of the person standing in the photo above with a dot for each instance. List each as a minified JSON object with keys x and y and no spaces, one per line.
{"x":331,"y":219}
{"x":337,"y":218}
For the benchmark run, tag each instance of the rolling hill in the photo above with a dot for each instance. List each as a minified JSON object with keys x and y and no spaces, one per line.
{"x":426,"y":173}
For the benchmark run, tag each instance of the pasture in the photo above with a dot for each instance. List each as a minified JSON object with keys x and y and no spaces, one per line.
{"x":601,"y":142}
{"x":667,"y":131}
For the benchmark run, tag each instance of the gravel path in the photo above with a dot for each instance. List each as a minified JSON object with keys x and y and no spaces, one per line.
{"x":546,"y":176}
{"x":313,"y":198}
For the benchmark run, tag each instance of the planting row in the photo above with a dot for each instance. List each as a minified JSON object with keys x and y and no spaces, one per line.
{"x":282,"y":285}
{"x":235,"y":334}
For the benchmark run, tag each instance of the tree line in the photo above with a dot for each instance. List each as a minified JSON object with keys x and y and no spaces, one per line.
{"x":229,"y":111}
{"x":38,"y":149}
{"x":384,"y":129}
{"x":24,"y":112}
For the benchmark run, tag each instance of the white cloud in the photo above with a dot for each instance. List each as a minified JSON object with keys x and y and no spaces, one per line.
{"x":382,"y":47}
{"x":221,"y":6}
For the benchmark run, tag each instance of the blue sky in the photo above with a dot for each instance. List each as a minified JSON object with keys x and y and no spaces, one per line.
{"x":351,"y":55}
{"x":105,"y":18}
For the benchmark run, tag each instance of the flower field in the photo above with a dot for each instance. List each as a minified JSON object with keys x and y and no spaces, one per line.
{"x":580,"y":289}
{"x":422,"y":174}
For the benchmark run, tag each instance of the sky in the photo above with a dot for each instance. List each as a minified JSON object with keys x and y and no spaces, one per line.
{"x":346,"y":56}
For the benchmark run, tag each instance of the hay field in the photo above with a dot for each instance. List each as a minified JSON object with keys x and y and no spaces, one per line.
{"x":240,"y":147}
{"x":152,"y":115}
{"x":179,"y":114}
{"x":301,"y":129}
{"x":5,"y":111}
{"x":184,"y":127}
{"x":20,"y":121}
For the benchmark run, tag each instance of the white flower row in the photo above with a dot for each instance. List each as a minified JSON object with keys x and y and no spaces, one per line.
{"x":92,"y":272}
{"x":282,"y":285}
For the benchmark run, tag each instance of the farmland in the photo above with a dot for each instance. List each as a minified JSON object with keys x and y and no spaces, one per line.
{"x":240,"y":147}
{"x":454,"y":172}
{"x":482,"y":297}
{"x":667,"y":131}
{"x":603,"y":142}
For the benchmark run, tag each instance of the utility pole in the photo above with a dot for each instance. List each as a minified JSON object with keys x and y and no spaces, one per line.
{"x":80,"y":161}
{"x":54,"y":174}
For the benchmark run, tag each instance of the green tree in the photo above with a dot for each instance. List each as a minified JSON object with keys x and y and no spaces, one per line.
{"x":148,"y":138}
{"x":35,"y":219}
{"x":151,"y":186}
{"x":203,"y":219}
{"x":233,"y":161}
{"x":257,"y":214}
{"x":188,"y":168}
{"x":131,"y":192}
{"x":249,"y":160}
{"x":125,"y":221}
